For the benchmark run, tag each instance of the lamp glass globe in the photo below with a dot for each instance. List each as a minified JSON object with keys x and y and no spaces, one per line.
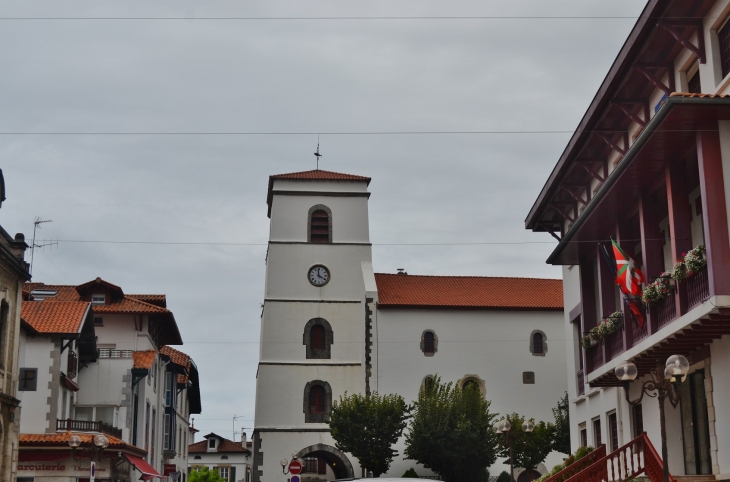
{"x":505,"y":426}
{"x":283,"y":462}
{"x":626,"y":371}
{"x":74,"y":441}
{"x":678,"y":365}
{"x":495,"y":428}
{"x":528,"y":426}
{"x":101,"y":441}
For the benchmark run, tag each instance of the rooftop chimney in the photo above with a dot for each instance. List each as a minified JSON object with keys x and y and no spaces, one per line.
{"x":402,"y":271}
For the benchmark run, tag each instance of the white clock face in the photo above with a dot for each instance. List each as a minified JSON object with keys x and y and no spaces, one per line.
{"x":319,"y":275}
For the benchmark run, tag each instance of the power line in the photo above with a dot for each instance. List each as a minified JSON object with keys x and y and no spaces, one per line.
{"x":333,"y":133}
{"x":477,"y":243}
{"x":406,"y":17}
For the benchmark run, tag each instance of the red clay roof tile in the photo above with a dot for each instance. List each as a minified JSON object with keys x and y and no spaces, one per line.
{"x":320,"y":175}
{"x":144,"y":359}
{"x":699,"y":95}
{"x":55,"y":316}
{"x":396,"y":290}
{"x":225,"y":445}
{"x":179,"y":358}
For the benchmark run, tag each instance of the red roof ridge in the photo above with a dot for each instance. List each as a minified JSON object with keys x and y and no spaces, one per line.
{"x":320,"y":175}
{"x":467,"y":276}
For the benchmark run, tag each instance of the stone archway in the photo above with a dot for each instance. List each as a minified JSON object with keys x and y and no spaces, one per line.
{"x":339,"y":462}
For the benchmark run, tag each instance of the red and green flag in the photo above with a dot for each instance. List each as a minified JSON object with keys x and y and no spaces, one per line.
{"x":628,"y":276}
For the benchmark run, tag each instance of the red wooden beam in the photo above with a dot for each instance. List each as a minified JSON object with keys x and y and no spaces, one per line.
{"x":646,"y":68}
{"x":592,"y":170}
{"x":714,"y":210}
{"x":698,"y":50}
{"x":563,"y":214}
{"x":609,"y":140}
{"x":630,"y":114}
{"x":569,"y":190}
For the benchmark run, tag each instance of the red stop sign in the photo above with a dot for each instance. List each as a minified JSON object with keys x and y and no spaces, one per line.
{"x":295,"y":467}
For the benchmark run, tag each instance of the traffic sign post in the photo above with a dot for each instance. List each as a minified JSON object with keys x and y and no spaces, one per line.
{"x":92,"y":473}
{"x":295,"y":467}
{"x":295,"y":478}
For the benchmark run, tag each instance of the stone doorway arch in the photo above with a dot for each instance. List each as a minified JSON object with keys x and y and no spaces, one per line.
{"x":339,"y":462}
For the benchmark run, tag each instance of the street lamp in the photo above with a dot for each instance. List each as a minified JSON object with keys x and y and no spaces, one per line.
{"x":100,"y":443}
{"x":504,"y":427}
{"x":284,"y":463}
{"x":662,"y":385}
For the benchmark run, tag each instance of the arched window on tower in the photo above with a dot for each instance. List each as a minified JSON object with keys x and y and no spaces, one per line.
{"x":318,"y":339}
{"x":317,"y":401}
{"x":319,"y":227}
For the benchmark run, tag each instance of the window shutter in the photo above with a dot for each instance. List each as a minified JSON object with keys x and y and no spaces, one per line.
{"x":232,"y":476}
{"x":322,"y":467}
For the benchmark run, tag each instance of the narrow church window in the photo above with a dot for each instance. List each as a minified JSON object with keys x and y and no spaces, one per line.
{"x":537,"y":343}
{"x":320,"y":227}
{"x":316,"y":399}
{"x":429,"y":343}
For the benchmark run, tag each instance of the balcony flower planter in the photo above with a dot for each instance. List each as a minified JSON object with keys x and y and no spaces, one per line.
{"x":691,"y":263}
{"x":605,"y":327}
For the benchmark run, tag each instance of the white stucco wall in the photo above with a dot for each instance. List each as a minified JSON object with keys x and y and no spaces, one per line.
{"x":491,"y":344}
{"x":35,"y":352}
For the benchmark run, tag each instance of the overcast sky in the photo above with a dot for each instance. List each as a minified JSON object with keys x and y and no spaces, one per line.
{"x":198,"y":75}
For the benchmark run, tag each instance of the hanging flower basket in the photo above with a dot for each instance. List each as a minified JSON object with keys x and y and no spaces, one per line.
{"x":695,"y":260}
{"x":657,"y":290}
{"x":679,"y":272}
{"x":588,"y":341}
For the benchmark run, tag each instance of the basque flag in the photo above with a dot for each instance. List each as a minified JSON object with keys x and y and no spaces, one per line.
{"x":628,"y":276}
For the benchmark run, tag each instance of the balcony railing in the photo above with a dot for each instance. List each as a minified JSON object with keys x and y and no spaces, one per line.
{"x":698,"y":288}
{"x":69,"y":425}
{"x":666,"y":309}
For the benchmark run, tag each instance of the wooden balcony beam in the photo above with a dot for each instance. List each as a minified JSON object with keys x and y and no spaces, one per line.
{"x":609,"y":140}
{"x":556,"y":207}
{"x":569,"y":190}
{"x":592,"y":170}
{"x":647,"y":68}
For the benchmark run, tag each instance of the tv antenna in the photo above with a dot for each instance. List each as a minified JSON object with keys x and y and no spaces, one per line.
{"x":317,"y":154}
{"x":33,"y":245}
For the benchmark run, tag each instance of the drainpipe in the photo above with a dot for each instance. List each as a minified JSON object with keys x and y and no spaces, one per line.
{"x":619,"y":415}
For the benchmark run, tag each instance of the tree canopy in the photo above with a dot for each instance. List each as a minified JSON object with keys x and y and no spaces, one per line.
{"x":561,"y":439}
{"x":368,"y":426}
{"x":528,"y":449}
{"x":451,"y":432}
{"x":205,"y":475}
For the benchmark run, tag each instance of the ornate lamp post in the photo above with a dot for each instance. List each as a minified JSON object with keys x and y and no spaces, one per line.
{"x":662,"y":386}
{"x":504,"y":427}
{"x":100,"y":443}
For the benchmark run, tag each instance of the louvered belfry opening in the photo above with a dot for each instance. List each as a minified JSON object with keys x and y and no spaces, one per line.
{"x":317,"y":399}
{"x":320,"y":227}
{"x":317,"y":337}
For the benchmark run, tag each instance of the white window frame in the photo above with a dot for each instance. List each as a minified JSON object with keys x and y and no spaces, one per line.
{"x":98,"y":299}
{"x":221,"y":469}
{"x":166,"y":440}
{"x":168,"y":388}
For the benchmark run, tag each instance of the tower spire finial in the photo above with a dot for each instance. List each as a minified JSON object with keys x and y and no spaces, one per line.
{"x":317,"y":154}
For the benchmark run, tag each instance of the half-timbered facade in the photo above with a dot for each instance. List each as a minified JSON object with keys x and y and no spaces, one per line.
{"x":649,"y":166}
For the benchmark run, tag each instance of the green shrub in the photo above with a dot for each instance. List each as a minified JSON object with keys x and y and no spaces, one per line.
{"x":569,"y":461}
{"x":504,"y":477}
{"x":410,"y":474}
{"x":582,"y":452}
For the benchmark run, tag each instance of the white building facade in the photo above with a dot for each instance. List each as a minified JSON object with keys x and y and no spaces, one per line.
{"x":95,"y":361}
{"x":659,"y":195}
{"x":330,"y":325}
{"x":231,"y":460}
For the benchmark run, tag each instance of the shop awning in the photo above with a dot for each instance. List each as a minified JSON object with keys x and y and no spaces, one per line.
{"x":148,"y":473}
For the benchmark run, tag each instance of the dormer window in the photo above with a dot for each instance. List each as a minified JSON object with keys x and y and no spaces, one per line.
{"x":211,"y":443}
{"x":98,"y":299}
